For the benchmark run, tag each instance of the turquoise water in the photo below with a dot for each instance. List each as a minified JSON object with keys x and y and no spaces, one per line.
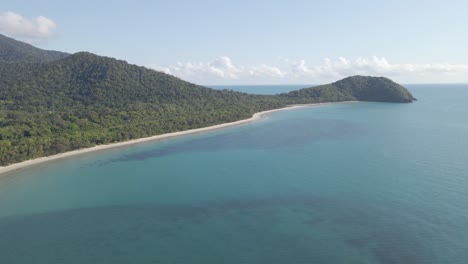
{"x":343,"y":183}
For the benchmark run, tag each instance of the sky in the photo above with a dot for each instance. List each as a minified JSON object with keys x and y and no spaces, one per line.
{"x":257,"y":42}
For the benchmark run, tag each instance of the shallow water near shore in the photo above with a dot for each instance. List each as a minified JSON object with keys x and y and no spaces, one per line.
{"x":344,"y":183}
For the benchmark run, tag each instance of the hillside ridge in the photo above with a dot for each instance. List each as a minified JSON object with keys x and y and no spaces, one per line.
{"x":13,"y":51}
{"x":83,"y":100}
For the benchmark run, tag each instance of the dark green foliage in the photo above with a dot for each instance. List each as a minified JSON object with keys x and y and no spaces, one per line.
{"x":84,"y":100}
{"x":358,"y":88}
{"x":376,"y":89}
{"x":15,"y":51}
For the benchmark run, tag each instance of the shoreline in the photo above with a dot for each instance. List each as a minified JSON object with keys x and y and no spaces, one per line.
{"x":27,"y":163}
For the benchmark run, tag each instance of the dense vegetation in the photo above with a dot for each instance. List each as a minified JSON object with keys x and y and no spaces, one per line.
{"x":359,"y":88}
{"x":83,"y":99}
{"x":15,"y":51}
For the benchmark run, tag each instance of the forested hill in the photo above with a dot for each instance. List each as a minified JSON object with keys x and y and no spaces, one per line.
{"x":85,"y":79}
{"x":12,"y":50}
{"x":358,"y":88}
{"x":84,"y":99}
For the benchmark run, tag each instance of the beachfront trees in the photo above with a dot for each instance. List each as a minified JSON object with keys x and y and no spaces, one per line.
{"x":81,"y":100}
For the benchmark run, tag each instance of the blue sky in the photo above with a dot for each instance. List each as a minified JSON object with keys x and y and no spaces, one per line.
{"x":257,"y":42}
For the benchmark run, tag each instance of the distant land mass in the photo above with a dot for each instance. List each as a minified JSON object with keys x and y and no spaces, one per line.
{"x":12,"y":50}
{"x":52,"y":102}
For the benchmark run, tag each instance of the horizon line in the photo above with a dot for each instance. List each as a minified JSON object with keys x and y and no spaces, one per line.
{"x":298,"y":84}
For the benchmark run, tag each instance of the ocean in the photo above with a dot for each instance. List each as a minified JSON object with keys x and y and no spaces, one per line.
{"x":341,"y":183}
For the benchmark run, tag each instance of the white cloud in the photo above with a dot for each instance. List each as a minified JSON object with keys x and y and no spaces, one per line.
{"x":264,"y":70}
{"x":223,"y":70}
{"x":17,"y":25}
{"x":223,"y":67}
{"x":218,"y":70}
{"x":372,"y":66}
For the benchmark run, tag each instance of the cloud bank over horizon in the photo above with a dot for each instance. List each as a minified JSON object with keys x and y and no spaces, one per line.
{"x":16,"y":25}
{"x":223,"y":71}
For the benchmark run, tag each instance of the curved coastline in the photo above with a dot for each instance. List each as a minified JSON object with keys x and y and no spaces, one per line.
{"x":20,"y":165}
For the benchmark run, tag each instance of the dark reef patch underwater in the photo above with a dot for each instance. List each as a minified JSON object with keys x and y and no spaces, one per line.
{"x":364,"y":182}
{"x":269,"y":230}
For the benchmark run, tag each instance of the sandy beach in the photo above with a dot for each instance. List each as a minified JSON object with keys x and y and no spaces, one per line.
{"x":256,"y":116}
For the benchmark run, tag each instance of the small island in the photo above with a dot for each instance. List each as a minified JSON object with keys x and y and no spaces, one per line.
{"x":53,"y":102}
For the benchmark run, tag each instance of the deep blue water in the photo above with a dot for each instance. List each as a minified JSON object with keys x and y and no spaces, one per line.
{"x":343,"y":183}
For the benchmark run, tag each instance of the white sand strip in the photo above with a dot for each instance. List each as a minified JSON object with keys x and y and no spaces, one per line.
{"x":256,"y":116}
